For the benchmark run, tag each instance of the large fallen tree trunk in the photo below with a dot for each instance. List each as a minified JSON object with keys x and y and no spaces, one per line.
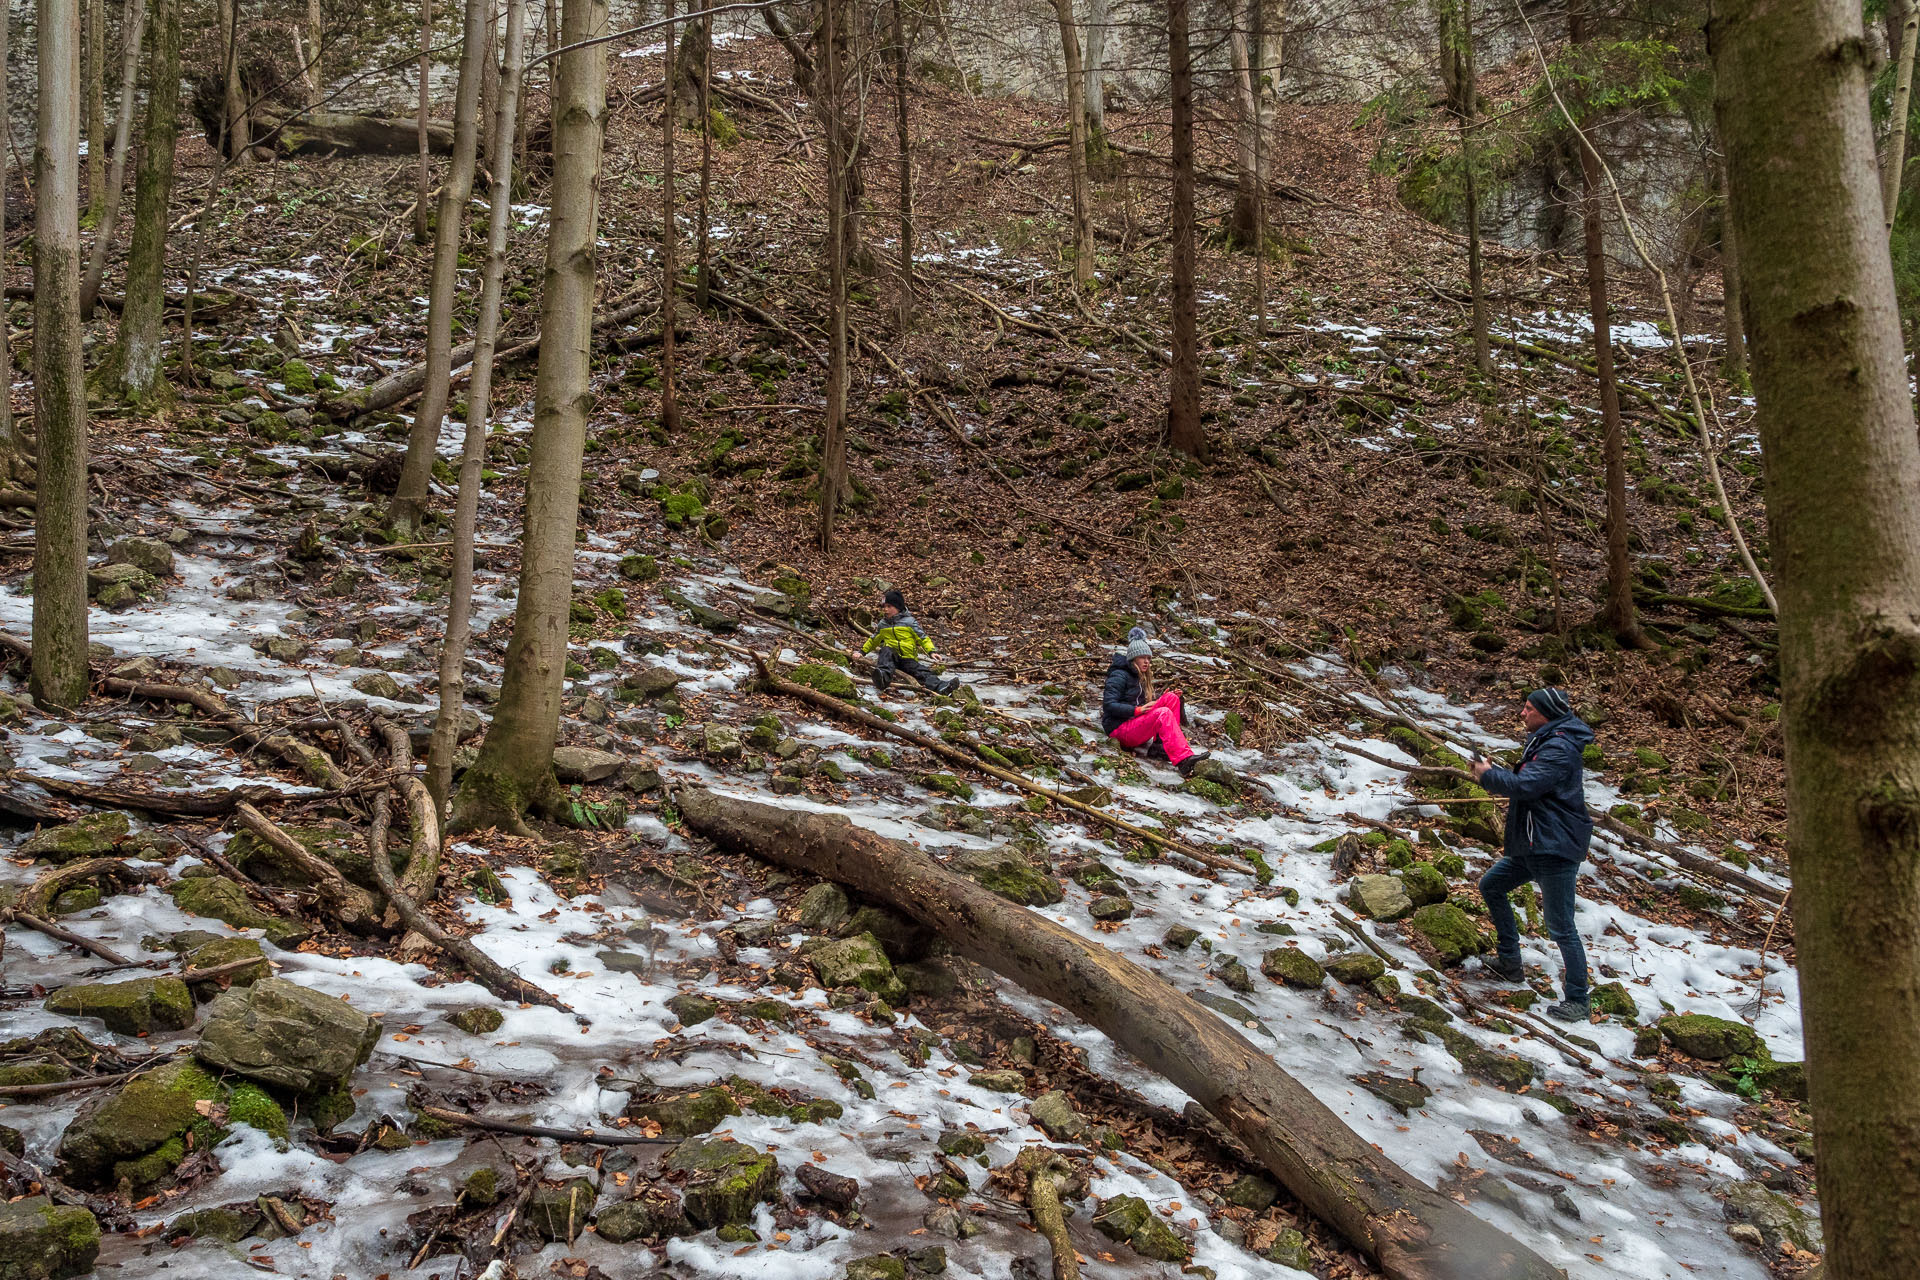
{"x":1410,"y":1230}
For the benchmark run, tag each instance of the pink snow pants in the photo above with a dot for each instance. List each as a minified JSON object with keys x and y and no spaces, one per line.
{"x":1158,"y":719}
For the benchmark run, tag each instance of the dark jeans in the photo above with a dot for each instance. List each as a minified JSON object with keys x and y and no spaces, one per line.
{"x":886,"y":662}
{"x":1555,"y":876}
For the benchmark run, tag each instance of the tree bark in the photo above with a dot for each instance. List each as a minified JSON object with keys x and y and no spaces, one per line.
{"x":473,"y":453}
{"x":1459,"y":74}
{"x":1184,"y":430}
{"x":669,"y":239}
{"x":105,"y":225}
{"x":1896,"y":159}
{"x":833,"y":456}
{"x":1617,"y":615}
{"x":409,"y":505}
{"x":423,"y":184}
{"x":1410,"y":1230}
{"x":132,"y":370}
{"x":515,"y":766}
{"x":903,"y":132}
{"x":1843,"y":507}
{"x":95,"y":88}
{"x":59,"y":671}
{"x":1077,"y":144}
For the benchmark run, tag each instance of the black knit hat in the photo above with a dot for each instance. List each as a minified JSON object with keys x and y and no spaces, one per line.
{"x":1551,"y":703}
{"x":895,"y":599}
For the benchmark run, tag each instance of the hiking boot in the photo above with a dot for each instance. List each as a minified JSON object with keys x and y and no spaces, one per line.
{"x":1186,"y":766}
{"x":1568,"y":1011}
{"x":1505,"y":970}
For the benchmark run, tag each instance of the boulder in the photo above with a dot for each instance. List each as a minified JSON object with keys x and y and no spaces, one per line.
{"x":148,"y":1114}
{"x":1424,"y":883}
{"x":1293,"y":967}
{"x":40,"y":1240}
{"x":585,"y":764}
{"x":725,"y":1179}
{"x":134,"y":1008}
{"x":93,"y":836}
{"x":1380,"y":898}
{"x":1009,"y":875}
{"x":1448,"y":932}
{"x":1700,"y":1035}
{"x":1356,"y":969}
{"x":283,"y":1034}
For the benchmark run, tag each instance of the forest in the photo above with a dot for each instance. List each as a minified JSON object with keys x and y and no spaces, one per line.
{"x":993,"y":639}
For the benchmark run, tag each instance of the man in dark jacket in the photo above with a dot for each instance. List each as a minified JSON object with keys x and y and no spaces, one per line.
{"x":1547,"y":834}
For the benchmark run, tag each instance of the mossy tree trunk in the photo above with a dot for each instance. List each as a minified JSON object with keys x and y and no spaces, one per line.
{"x":132,"y":371}
{"x":515,"y":766}
{"x":1077,"y":144}
{"x":117,"y":176}
{"x":453,"y":652}
{"x":1184,"y":430}
{"x":409,"y":506}
{"x":1843,"y":510}
{"x":59,"y":392}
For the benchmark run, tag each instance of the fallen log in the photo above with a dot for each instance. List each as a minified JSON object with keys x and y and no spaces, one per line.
{"x":1410,"y":1230}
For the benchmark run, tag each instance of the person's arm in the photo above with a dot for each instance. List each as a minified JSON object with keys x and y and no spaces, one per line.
{"x":1558,"y":760}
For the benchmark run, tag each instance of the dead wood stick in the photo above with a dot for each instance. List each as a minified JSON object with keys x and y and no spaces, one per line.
{"x":1412,"y":1231}
{"x":354,"y":906}
{"x":840,"y":708}
{"x":592,"y":1136}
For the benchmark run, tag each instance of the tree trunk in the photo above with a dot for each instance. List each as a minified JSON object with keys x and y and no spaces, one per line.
{"x":132,"y":370}
{"x":1076,"y":145}
{"x":105,"y":226}
{"x":1410,"y":1230}
{"x":1617,"y":614}
{"x":833,"y":457}
{"x":1734,"y":305}
{"x":1459,"y":75}
{"x":904,"y":140}
{"x":96,"y":90}
{"x":453,"y":652}
{"x":1184,"y":430}
{"x":409,"y":505}
{"x":423,"y":187}
{"x":239,"y":128}
{"x":59,"y":676}
{"x":1896,"y":161}
{"x":669,"y":240}
{"x":515,"y":767}
{"x":1843,"y":508}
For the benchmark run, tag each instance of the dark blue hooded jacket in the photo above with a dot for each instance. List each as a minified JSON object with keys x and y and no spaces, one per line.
{"x":1548,"y":813}
{"x":1122,"y":695}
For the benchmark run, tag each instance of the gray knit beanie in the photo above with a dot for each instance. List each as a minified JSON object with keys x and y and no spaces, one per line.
{"x":1137,"y":646}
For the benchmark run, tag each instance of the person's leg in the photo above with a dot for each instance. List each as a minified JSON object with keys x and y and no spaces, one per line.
{"x":1556,"y":878}
{"x":883,"y":662}
{"x":1503,"y":878}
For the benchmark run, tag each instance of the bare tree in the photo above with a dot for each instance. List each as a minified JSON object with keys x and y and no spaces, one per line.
{"x":669,"y":240}
{"x":1184,"y":430}
{"x":473,"y":454}
{"x":116,"y":178}
{"x":1836,"y":426}
{"x":132,"y":369}
{"x":1077,"y":144}
{"x":515,"y":767}
{"x":409,"y":505}
{"x":832,"y":107}
{"x":59,"y":675}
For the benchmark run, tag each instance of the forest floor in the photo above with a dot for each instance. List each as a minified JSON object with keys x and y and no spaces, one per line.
{"x":1377,"y":536}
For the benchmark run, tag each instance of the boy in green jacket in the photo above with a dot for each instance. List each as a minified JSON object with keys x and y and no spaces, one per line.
{"x":899,"y":646}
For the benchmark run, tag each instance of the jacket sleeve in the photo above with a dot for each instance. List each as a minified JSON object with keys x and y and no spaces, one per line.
{"x":1115,"y":702}
{"x":1557,"y":761}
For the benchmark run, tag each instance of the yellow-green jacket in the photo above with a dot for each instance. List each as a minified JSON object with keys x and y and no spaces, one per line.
{"x":902,"y":635}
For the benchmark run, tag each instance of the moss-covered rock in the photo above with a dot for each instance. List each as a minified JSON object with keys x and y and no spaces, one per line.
{"x":831,"y":681}
{"x":685,"y":1113}
{"x":93,"y":836}
{"x":1700,"y":1035}
{"x":1448,"y":932}
{"x":1293,"y":967}
{"x":1009,"y":875}
{"x":40,"y":1240}
{"x":1130,"y":1219}
{"x":1356,"y":969}
{"x":288,"y":1036}
{"x":134,"y":1008}
{"x":140,"y":1117}
{"x":725,"y":1179}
